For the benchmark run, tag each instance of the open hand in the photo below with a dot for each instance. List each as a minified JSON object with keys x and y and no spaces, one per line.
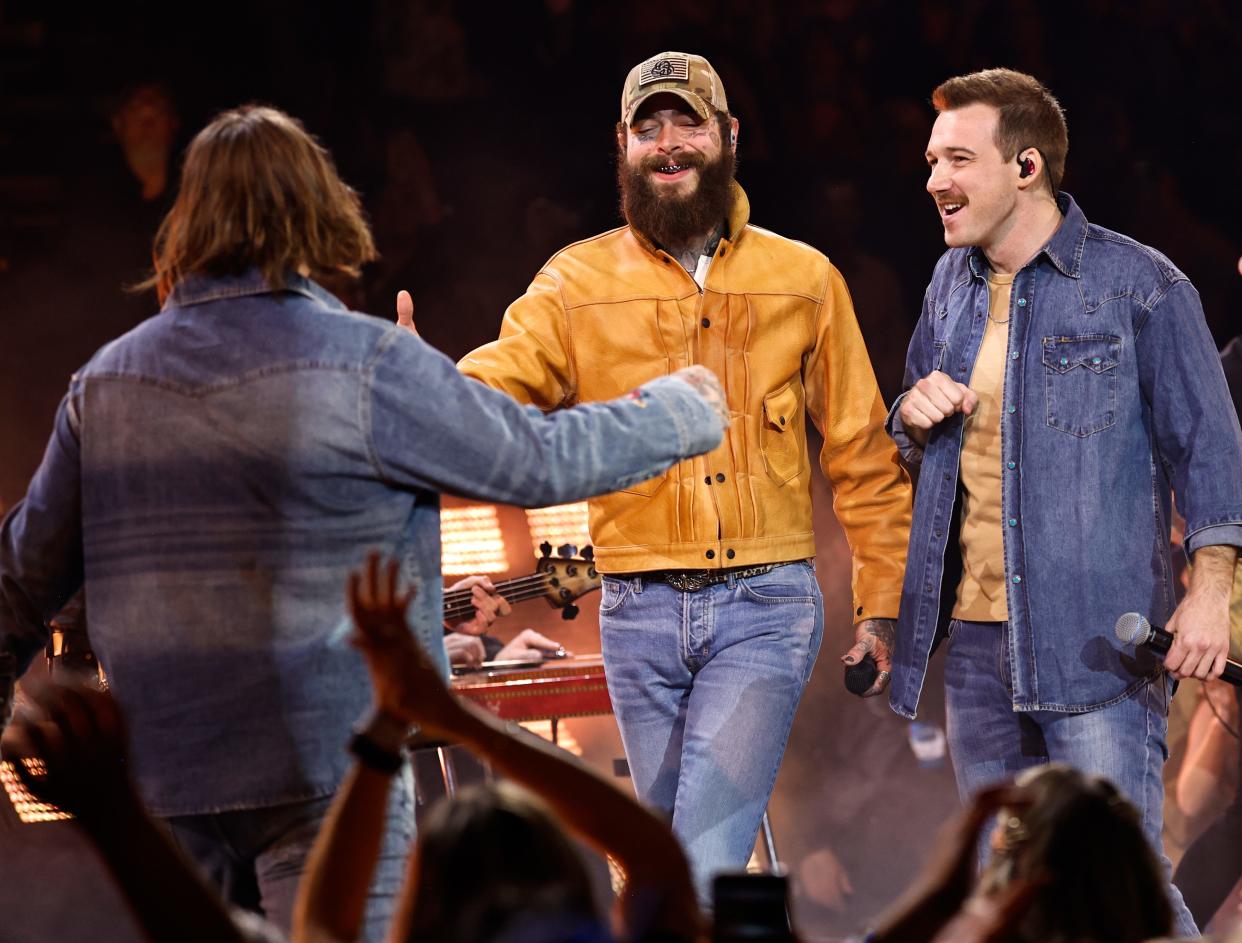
{"x":407,"y":685}
{"x":465,"y":650}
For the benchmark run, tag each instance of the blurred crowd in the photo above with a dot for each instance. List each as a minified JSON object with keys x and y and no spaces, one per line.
{"x":480,"y":136}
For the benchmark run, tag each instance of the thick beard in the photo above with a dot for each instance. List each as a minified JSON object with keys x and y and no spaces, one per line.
{"x":672,"y":222}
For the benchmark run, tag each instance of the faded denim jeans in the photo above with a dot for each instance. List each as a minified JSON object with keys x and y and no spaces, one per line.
{"x":256,"y":857}
{"x":989,"y":741}
{"x":704,"y":686}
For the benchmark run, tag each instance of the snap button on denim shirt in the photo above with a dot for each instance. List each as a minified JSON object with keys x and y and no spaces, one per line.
{"x":1114,"y":397}
{"x":216,"y":473}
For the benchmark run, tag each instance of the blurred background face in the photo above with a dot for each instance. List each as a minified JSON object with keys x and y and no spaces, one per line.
{"x":146,"y":121}
{"x":973,"y":185}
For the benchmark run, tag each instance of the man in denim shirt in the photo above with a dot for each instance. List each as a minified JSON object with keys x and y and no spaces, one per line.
{"x":1062,"y":380}
{"x":216,"y":473}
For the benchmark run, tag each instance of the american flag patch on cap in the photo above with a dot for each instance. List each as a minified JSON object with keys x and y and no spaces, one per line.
{"x":664,"y":69}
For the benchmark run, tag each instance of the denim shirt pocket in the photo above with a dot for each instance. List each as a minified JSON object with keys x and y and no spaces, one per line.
{"x":779,"y":433}
{"x":1080,"y":382}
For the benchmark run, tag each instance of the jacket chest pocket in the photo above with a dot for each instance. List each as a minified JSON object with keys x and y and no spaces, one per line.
{"x":1080,"y":382}
{"x":781,"y":434}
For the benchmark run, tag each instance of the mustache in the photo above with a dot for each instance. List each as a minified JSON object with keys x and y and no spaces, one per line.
{"x":656,"y":161}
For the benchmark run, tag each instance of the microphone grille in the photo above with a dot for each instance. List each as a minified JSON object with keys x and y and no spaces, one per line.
{"x":1132,"y":629}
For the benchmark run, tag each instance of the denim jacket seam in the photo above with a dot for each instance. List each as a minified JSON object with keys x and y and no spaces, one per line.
{"x":1133,"y":688}
{"x":366,"y":393}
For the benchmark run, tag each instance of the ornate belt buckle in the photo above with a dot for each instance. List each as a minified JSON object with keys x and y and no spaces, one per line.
{"x":688,"y":582}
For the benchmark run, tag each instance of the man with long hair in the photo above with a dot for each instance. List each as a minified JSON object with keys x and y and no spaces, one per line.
{"x":1063,"y":382}
{"x":215,"y":474}
{"x":711,"y":615}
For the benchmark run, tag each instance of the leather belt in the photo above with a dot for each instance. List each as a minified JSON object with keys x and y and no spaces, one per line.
{"x":691,"y":581}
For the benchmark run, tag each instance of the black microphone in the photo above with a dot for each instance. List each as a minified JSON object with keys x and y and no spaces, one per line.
{"x":1134,"y":629}
{"x":860,"y":677}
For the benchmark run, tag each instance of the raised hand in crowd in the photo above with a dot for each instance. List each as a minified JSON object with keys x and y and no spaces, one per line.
{"x":74,"y":737}
{"x":936,"y":905}
{"x":659,"y":898}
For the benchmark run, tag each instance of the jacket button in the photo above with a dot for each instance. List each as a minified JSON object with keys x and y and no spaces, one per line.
{"x":1013,"y":522}
{"x":1017,"y":579}
{"x":707,"y":480}
{"x":720,"y":476}
{"x":730,"y":554}
{"x":1011,"y":465}
{"x":1014,"y":355}
{"x":858,"y":611}
{"x":706,"y":322}
{"x":1013,"y":409}
{"x":1021,"y":302}
{"x":782,"y":420}
{"x":711,"y":554}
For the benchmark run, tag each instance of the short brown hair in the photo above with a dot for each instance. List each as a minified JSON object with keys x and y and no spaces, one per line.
{"x":1029,"y":114}
{"x":258,"y":191}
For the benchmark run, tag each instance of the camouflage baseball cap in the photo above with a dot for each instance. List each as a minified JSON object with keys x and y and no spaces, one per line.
{"x":689,"y":77}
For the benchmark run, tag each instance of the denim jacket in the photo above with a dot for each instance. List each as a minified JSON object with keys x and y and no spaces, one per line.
{"x":1113,"y":397}
{"x":215,"y":474}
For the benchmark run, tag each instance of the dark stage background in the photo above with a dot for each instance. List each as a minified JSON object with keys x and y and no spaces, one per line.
{"x":480,"y":135}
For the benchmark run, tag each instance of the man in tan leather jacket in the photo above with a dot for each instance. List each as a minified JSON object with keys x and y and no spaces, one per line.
{"x":711,"y":616}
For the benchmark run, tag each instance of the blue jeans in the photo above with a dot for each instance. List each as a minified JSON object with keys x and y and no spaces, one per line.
{"x":989,"y":741}
{"x":704,"y":686}
{"x":255,"y":857}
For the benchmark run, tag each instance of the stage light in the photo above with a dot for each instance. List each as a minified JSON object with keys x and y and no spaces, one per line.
{"x":471,"y":542}
{"x":559,"y":525}
{"x":28,"y":808}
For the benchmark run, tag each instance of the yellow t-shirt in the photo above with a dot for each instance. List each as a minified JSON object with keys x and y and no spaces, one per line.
{"x":981,"y":590}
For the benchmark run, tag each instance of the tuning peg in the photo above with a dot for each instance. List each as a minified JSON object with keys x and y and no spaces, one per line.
{"x":569,"y":612}
{"x":545,"y":549}
{"x":567,"y":550}
{"x":588,"y":552}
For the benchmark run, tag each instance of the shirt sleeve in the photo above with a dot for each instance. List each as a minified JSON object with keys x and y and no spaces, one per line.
{"x":532,"y":359}
{"x":919,"y":363}
{"x":431,"y":427}
{"x":871,"y":490}
{"x":1193,"y":421}
{"x":41,"y":544}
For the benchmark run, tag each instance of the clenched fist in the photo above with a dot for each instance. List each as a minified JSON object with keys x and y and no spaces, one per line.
{"x":932,"y":400}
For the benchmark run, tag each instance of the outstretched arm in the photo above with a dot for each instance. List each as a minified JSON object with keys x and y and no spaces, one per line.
{"x":659,"y":892}
{"x":77,"y":735}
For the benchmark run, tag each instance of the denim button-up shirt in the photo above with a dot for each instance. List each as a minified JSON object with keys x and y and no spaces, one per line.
{"x":1113,"y":397}
{"x":215,"y":474}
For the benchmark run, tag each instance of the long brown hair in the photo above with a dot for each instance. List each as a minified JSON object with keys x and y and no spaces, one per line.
{"x":258,"y":191}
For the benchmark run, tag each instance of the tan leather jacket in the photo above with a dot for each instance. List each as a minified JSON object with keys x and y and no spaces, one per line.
{"x":776,"y":324}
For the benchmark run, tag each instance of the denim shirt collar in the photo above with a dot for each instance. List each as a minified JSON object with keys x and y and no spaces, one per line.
{"x":1064,"y":249}
{"x":198,"y":288}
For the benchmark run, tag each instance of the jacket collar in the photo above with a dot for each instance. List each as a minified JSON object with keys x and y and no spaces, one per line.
{"x":739,"y":216}
{"x":1063,"y":249}
{"x":198,"y":289}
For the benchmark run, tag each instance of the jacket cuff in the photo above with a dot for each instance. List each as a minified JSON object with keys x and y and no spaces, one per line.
{"x":1213,"y":535}
{"x":698,"y":428}
{"x":910,"y":450}
{"x":877,"y":605}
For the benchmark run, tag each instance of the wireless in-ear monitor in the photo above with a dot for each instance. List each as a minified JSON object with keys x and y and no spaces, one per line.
{"x":1028,"y":167}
